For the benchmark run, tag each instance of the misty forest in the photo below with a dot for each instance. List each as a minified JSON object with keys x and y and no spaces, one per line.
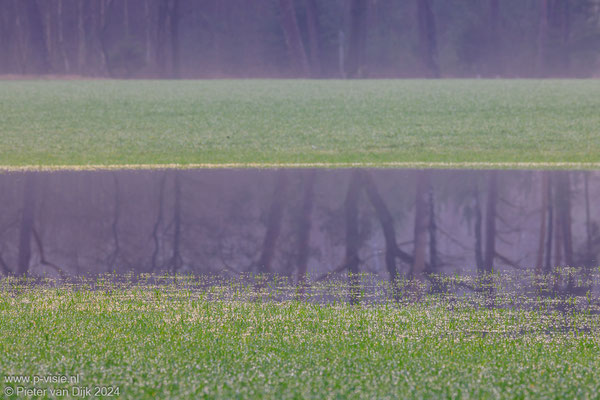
{"x":300,"y":38}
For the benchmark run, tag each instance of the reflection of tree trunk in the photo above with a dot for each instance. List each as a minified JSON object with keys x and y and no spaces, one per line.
{"x":159,"y":218}
{"x":564,"y":213}
{"x":550,"y":224}
{"x":427,"y":39}
{"x":274,"y":220}
{"x":27,"y":218}
{"x":358,"y":39}
{"x":490,"y":222}
{"x":542,"y":235}
{"x":289,"y":23}
{"x":312,"y":17}
{"x":176,"y":260}
{"x":115,"y":224}
{"x":304,"y":226}
{"x":5,"y":268}
{"x":433,"y":257}
{"x":38,"y":240}
{"x":558,"y":240}
{"x":352,"y":261}
{"x":588,"y":226}
{"x":387,"y":225}
{"x":478,"y":232}
{"x":421,"y":224}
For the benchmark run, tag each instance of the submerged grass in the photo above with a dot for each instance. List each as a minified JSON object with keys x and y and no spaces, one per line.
{"x":165,"y":338}
{"x":270,"y":122}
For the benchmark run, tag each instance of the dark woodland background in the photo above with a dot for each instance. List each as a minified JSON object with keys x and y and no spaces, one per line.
{"x":300,"y":38}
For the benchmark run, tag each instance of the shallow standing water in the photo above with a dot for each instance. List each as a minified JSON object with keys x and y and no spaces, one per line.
{"x":298,"y":223}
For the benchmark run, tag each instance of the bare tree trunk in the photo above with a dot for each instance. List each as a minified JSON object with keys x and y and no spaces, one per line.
{"x":421,"y":224}
{"x":490,"y":222}
{"x":494,"y":45}
{"x":274,"y":221}
{"x":81,"y":39}
{"x":427,"y":39}
{"x":542,"y":41}
{"x":566,"y":37}
{"x":544,"y":209}
{"x":5,"y":36}
{"x":126,"y":18}
{"x":352,"y":261}
{"x":27,"y":219}
{"x":559,"y":15}
{"x":161,"y":38}
{"x":312,"y":16}
{"x":289,"y":23}
{"x":174,"y":35}
{"x":304,"y":227}
{"x":46,"y":13}
{"x":61,"y":39}
{"x":147,"y":30}
{"x":12,"y":38}
{"x":19,"y":41}
{"x":105,"y":64}
{"x":358,"y":39}
{"x":39,"y":59}
{"x":341,"y":54}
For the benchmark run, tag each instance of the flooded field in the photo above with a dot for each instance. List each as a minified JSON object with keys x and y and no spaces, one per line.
{"x":302,"y":283}
{"x":306,"y":225}
{"x":499,"y":336}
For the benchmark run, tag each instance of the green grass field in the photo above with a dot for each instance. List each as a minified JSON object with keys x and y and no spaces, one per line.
{"x":78,"y":123}
{"x":177,"y":342}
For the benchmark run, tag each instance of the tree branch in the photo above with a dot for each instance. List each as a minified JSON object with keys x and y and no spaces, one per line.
{"x":43,"y":260}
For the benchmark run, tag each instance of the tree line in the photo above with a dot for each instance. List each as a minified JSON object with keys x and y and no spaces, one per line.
{"x":300,"y":38}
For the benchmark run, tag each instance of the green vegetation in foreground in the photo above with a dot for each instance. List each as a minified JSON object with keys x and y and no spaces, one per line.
{"x":276,"y":121}
{"x":175,"y":343}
